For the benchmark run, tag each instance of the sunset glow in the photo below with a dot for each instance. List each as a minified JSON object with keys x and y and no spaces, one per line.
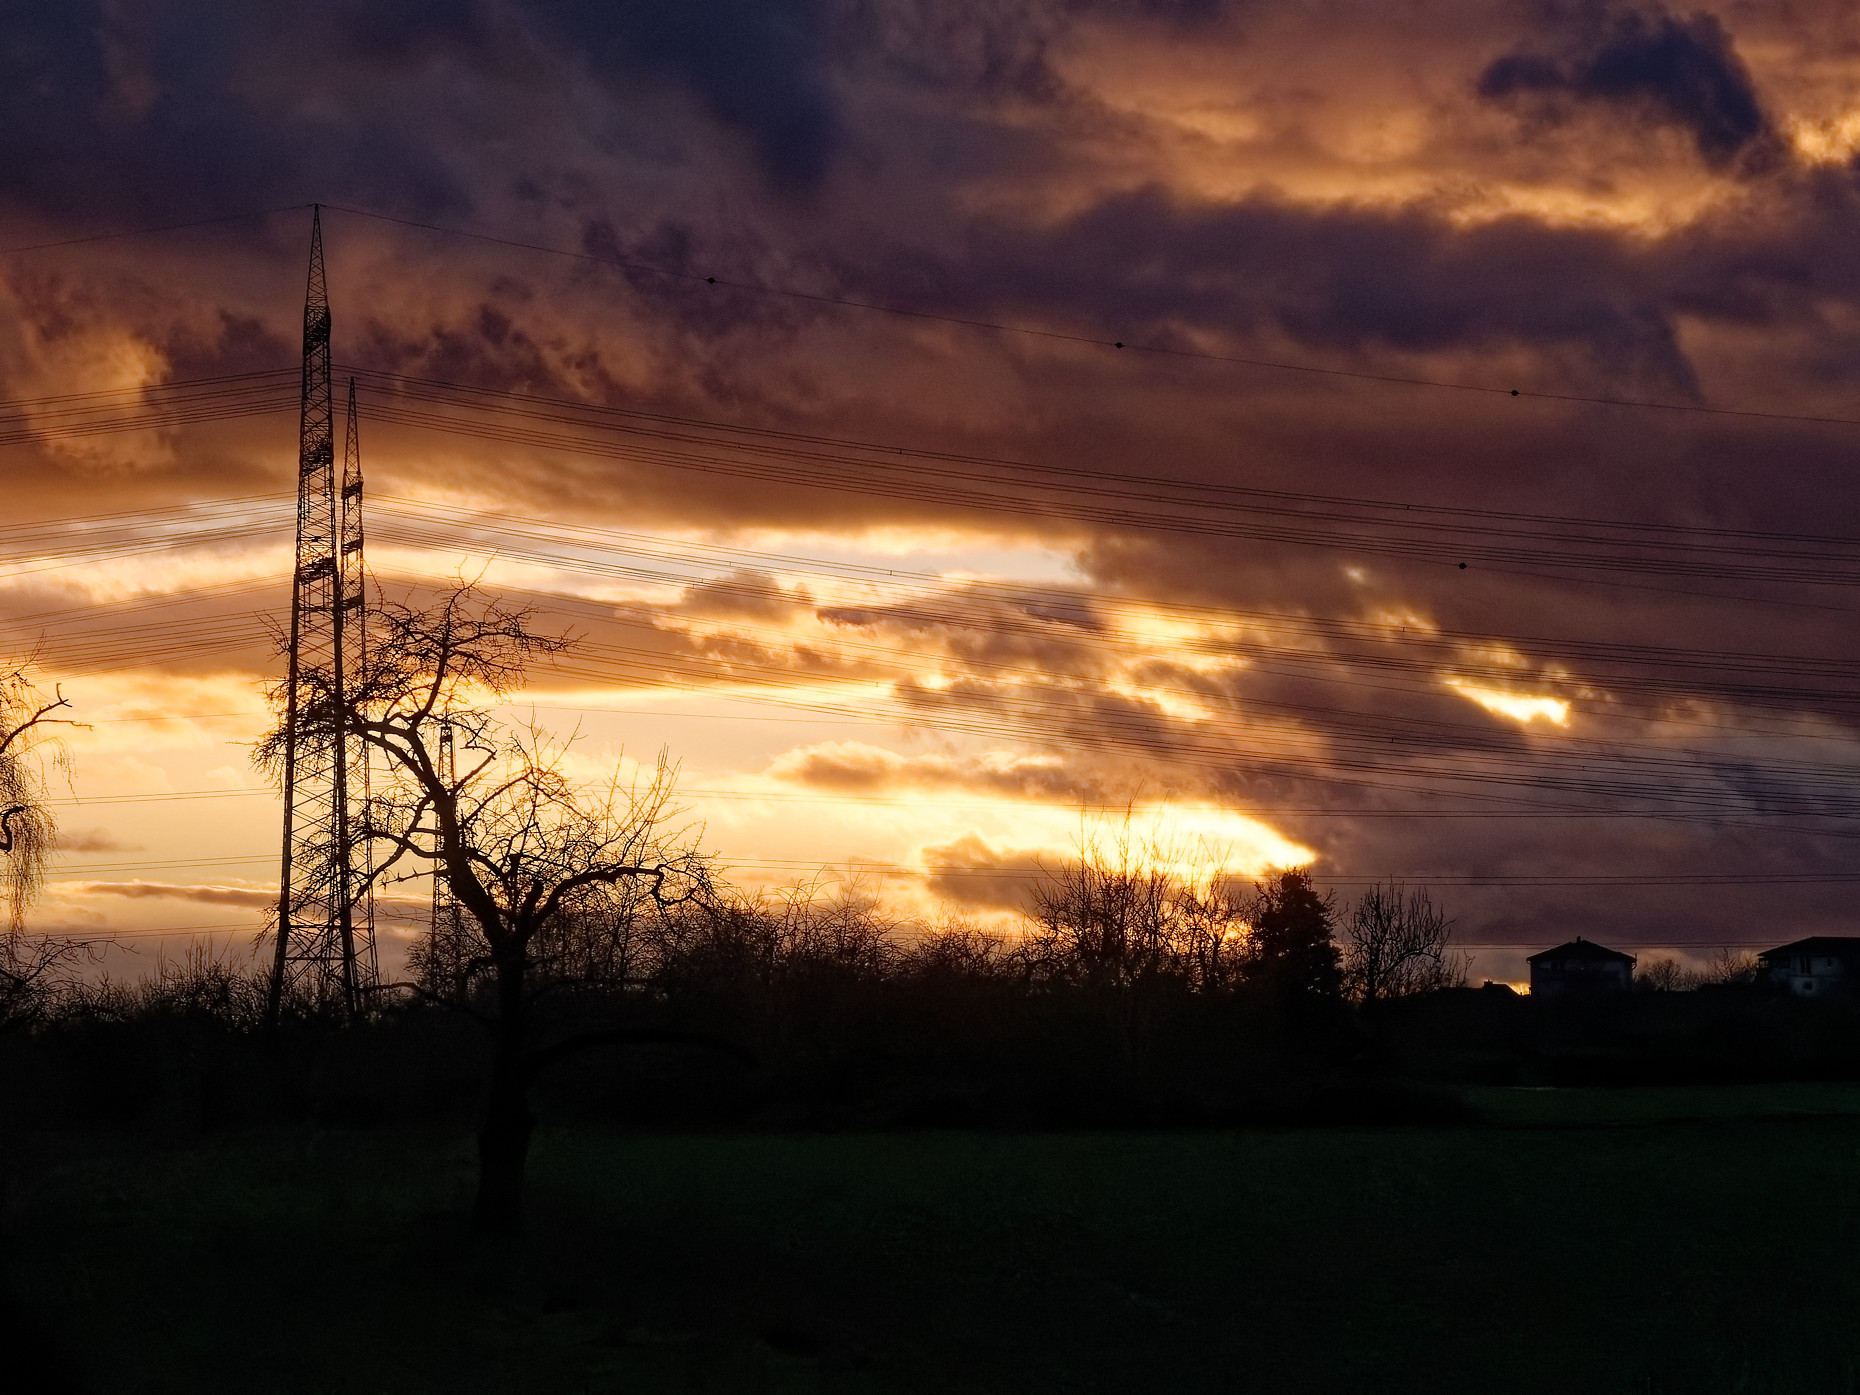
{"x":989,"y":426}
{"x":1520,"y":707}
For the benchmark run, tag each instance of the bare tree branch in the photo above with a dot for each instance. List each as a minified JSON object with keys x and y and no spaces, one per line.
{"x":536,"y":868}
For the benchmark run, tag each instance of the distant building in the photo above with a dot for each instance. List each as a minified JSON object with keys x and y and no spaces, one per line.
{"x":1580,"y":967}
{"x":1815,"y":967}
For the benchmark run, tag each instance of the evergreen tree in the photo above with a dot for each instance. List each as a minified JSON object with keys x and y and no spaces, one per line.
{"x":1292,"y":951}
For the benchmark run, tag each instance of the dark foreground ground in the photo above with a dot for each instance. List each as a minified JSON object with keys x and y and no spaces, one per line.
{"x":1686,"y":1240}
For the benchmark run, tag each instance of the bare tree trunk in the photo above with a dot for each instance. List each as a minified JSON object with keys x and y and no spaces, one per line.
{"x":504,"y":1136}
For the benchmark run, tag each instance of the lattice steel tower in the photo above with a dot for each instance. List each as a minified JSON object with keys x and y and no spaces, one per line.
{"x":442,"y":965}
{"x":325,"y":922}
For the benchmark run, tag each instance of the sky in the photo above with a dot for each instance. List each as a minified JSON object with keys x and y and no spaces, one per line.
{"x":1412,"y":441}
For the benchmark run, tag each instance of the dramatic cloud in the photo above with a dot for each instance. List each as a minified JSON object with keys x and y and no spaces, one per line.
{"x":248,"y":897}
{"x":856,"y":767}
{"x":758,"y":66}
{"x":1682,"y":72}
{"x":781,"y":367}
{"x":972,"y":876}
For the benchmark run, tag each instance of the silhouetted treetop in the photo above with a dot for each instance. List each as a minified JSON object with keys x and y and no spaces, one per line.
{"x":1291,"y":949}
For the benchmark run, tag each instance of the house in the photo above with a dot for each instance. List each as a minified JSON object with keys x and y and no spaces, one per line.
{"x":1815,"y":967}
{"x":1580,"y":967}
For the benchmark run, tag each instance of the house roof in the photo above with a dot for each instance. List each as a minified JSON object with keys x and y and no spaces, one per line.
{"x":1580,"y":948}
{"x":1828,"y":946}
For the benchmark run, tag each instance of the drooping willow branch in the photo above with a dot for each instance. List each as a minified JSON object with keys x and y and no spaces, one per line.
{"x":26,"y":828}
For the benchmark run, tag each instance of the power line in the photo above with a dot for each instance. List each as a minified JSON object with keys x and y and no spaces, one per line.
{"x":1487,"y":536}
{"x":1082,"y":611}
{"x":1042,"y":710}
{"x":140,"y":932}
{"x":809,"y":445}
{"x":1369,"y":527}
{"x":1225,"y":758}
{"x":85,"y":870}
{"x":551,"y":408}
{"x":1074,"y":604}
{"x":121,"y":397}
{"x":156,"y":797}
{"x":861,"y":866}
{"x":1403,"y":730}
{"x":865,"y":866}
{"x":1084,"y":604}
{"x":152,"y":231}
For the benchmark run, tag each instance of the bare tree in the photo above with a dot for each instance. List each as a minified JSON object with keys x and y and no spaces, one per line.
{"x":532,"y":859}
{"x":33,"y":970}
{"x":956,"y":950}
{"x":31,"y":966}
{"x":1668,"y":975}
{"x":1731,"y":966}
{"x":27,"y":830}
{"x":1121,"y":923}
{"x":1399,"y":943}
{"x":780,"y":965}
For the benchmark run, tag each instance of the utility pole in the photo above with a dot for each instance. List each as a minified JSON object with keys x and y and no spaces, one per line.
{"x":446,"y":960}
{"x":325,"y":919}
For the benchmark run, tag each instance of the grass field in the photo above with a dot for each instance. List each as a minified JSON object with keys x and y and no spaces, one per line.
{"x":1621,"y":1241}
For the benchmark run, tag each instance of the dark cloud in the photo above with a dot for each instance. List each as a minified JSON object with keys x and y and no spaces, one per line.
{"x":1018,"y":164}
{"x":986,"y":48}
{"x":192,"y":108}
{"x":186,"y":108}
{"x":1678,"y":72}
{"x":757,"y":65}
{"x":412,"y":31}
{"x":857,"y":768}
{"x":1153,"y":268}
{"x":252,"y":898}
{"x":971,"y":875}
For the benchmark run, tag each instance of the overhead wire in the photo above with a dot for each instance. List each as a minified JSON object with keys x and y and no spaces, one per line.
{"x":1471,"y":737}
{"x":1421,"y":729}
{"x":962,"y":488}
{"x":1254,"y":732}
{"x":1084,"y":614}
{"x":122,"y":233}
{"x":1146,"y":742}
{"x":1679,"y":546}
{"x":1834,"y":559}
{"x":1087,"y":608}
{"x":1302,"y":512}
{"x":550,"y":408}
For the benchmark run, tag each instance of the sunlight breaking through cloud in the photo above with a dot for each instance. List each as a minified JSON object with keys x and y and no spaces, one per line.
{"x":1520,"y":707}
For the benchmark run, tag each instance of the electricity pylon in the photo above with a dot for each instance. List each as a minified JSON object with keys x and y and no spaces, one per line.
{"x":325,"y":921}
{"x":444,"y":962}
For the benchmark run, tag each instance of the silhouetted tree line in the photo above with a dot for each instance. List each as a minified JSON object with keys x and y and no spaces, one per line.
{"x":1117,"y":964}
{"x":589,"y":958}
{"x":1130,"y":997}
